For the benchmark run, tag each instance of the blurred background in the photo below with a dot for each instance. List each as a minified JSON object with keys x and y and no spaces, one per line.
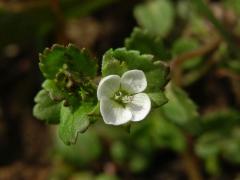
{"x":194,"y":136}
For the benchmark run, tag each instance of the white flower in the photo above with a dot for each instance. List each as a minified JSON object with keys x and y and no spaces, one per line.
{"x":121,"y":98}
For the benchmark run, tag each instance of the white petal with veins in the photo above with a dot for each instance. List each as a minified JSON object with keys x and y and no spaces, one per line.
{"x":114,"y":113}
{"x":108,"y":86}
{"x":140,"y":106}
{"x":133,"y":81}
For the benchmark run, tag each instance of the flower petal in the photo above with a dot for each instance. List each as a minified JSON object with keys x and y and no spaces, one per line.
{"x":134,"y":81}
{"x":108,"y":86}
{"x":140,"y":106}
{"x":114,"y":113}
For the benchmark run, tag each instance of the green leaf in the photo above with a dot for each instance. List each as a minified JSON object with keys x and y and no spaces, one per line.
{"x":186,"y":44}
{"x":209,"y":148}
{"x":51,"y":61}
{"x":80,"y":61}
{"x":158,"y":98}
{"x":156,"y":131}
{"x":69,"y":74}
{"x":55,"y":92}
{"x":219,"y":138}
{"x":74,"y":122}
{"x":216,"y":143}
{"x":156,"y":16}
{"x":121,"y":60}
{"x":60,"y":93}
{"x":46,"y":109}
{"x":231,"y":147}
{"x":165,"y":133}
{"x":146,"y":43}
{"x":180,"y":108}
{"x":222,"y":120}
{"x":207,"y":145}
{"x":84,"y":152}
{"x":59,"y":57}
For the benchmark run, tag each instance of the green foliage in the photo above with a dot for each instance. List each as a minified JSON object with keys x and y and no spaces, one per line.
{"x":54,"y":91}
{"x":158,"y":98}
{"x":53,"y":60}
{"x":180,"y":109}
{"x":74,"y":122}
{"x":147,"y":43}
{"x":120,"y":60}
{"x":87,"y":149}
{"x":220,"y":138}
{"x":68,"y":94}
{"x":69,"y":72}
{"x":216,"y":121}
{"x":165,"y":133}
{"x":46,"y":109}
{"x":68,"y":97}
{"x":185,"y":44}
{"x":156,"y":16}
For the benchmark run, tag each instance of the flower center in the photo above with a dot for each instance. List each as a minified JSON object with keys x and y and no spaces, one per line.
{"x":122,"y":97}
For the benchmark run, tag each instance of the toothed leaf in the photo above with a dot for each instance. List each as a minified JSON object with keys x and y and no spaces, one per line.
{"x":147,"y":43}
{"x":55,"y":92}
{"x":123,"y":60}
{"x":74,"y":122}
{"x":46,"y":109}
{"x":180,"y":108}
{"x":58,"y":57}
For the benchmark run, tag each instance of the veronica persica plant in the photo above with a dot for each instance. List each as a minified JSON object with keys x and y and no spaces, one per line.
{"x":132,"y":85}
{"x":122,"y":98}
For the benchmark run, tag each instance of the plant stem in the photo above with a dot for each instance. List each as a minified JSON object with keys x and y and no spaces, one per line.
{"x":179,"y":60}
{"x":190,"y":162}
{"x":191,"y":167}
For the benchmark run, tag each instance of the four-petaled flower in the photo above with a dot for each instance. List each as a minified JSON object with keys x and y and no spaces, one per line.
{"x":121,"y":98}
